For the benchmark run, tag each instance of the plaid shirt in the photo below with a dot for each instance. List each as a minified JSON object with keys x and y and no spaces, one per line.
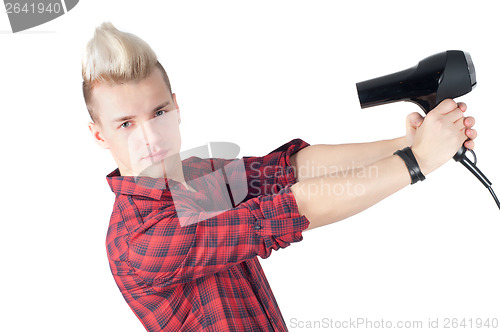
{"x":182,"y":268}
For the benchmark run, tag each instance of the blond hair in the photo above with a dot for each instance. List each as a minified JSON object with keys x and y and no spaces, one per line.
{"x":113,"y":57}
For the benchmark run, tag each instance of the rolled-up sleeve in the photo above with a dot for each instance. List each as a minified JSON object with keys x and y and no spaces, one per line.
{"x":272,"y":172}
{"x":281,"y":223}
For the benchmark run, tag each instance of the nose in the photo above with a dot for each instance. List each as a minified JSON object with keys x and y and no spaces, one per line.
{"x":151,"y":134}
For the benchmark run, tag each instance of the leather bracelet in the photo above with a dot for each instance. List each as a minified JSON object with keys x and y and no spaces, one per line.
{"x":410,"y":154}
{"x":411,"y":163}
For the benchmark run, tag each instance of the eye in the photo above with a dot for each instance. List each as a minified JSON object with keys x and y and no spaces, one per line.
{"x":125,"y":125}
{"x":160,"y":111}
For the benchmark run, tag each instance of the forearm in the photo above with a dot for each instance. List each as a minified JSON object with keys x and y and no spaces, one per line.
{"x":321,"y":159}
{"x":333,"y":197}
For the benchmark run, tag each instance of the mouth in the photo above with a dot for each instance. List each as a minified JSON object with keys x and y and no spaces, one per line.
{"x":158,"y":155}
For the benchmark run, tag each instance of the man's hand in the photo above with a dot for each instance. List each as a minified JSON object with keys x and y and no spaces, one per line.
{"x":441,"y":135}
{"x":414,"y":120}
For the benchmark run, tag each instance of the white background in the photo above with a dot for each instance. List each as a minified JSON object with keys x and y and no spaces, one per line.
{"x":256,"y":73}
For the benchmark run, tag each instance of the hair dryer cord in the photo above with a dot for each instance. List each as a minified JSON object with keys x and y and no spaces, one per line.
{"x":471,"y":166}
{"x":494,"y":196}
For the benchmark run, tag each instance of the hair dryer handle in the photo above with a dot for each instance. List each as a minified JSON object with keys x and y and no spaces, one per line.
{"x":460,"y":154}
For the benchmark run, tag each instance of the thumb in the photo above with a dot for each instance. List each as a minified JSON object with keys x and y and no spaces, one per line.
{"x":414,"y":120}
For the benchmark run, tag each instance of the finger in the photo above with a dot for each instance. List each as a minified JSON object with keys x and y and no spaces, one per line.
{"x":469,"y":121}
{"x":459,"y":125}
{"x":469,"y":145}
{"x":463,"y":137}
{"x":446,"y":106}
{"x":414,"y":120}
{"x":471,"y":133}
{"x":455,"y":115}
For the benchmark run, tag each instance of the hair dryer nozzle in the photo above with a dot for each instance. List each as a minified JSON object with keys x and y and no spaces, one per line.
{"x":443,"y":75}
{"x":472,"y":70}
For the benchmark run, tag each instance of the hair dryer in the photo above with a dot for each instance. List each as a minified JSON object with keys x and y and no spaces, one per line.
{"x":444,"y":75}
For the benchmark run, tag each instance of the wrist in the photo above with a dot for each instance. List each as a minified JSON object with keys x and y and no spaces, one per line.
{"x":411,"y":162}
{"x":425,"y":166}
{"x":399,"y":143}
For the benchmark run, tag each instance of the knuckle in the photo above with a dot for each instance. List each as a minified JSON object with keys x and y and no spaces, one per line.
{"x":432,"y":116}
{"x":449,"y":103}
{"x":440,"y":121}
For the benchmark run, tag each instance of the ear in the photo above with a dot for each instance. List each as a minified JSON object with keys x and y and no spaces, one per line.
{"x":97,"y":135}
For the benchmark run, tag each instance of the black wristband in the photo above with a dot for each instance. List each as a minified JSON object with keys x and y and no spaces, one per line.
{"x":410,"y":154}
{"x":411,"y":163}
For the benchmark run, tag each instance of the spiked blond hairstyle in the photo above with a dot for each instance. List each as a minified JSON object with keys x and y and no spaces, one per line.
{"x":115,"y":57}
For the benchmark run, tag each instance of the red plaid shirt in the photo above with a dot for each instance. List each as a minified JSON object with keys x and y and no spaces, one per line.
{"x":180,"y":275}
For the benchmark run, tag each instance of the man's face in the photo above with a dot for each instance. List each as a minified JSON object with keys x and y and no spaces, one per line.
{"x":139,"y":125}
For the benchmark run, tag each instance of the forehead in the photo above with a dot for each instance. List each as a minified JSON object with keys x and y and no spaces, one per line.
{"x":130,"y":97}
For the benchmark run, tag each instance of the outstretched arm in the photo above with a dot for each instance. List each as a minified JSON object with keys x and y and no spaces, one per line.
{"x":322,"y":159}
{"x":335,"y":196}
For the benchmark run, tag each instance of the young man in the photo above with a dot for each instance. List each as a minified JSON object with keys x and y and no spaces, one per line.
{"x":183,"y":260}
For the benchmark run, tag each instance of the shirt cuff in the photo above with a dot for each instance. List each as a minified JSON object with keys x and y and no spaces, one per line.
{"x":270,"y":173}
{"x":290,"y":148}
{"x":280,"y":223}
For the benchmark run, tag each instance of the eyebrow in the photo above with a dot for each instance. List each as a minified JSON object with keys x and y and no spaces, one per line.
{"x":128,"y":117}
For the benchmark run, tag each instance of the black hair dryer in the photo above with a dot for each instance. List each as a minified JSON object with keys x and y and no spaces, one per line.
{"x":444,"y":75}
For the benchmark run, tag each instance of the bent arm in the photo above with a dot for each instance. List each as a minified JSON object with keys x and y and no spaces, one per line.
{"x":181,"y":243}
{"x":336,"y":196}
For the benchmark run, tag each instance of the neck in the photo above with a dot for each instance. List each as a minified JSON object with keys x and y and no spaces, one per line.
{"x":175,"y":173}
{"x":178,"y":175}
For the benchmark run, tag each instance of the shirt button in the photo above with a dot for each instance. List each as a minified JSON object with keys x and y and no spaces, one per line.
{"x":199,"y":202}
{"x":175,"y":187}
{"x":257,"y":227}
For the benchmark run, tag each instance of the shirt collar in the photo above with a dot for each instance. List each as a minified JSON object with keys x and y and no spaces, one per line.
{"x":141,"y":185}
{"x":153,"y":188}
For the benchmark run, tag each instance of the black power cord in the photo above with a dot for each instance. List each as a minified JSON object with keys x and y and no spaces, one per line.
{"x":471,"y":166}
{"x":494,"y":196}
